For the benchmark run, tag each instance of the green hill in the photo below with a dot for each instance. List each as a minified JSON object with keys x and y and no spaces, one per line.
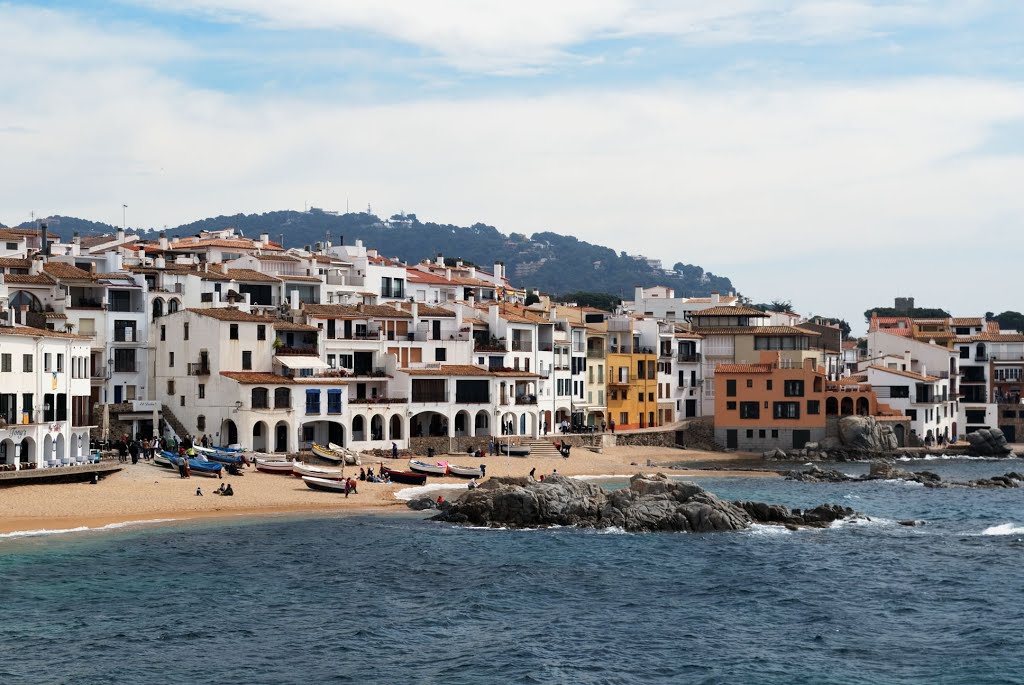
{"x":551,"y":262}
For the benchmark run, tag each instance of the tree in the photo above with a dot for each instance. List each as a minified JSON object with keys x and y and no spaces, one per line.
{"x":531,"y":298}
{"x":832,"y":321}
{"x":916,"y":313}
{"x":780,"y":306}
{"x":588,"y":299}
{"x":1013,"y":321}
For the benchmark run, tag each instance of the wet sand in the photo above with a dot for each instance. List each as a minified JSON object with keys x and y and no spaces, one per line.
{"x":145,"y":492}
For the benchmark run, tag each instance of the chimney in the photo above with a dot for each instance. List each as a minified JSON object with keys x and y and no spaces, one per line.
{"x":499,"y":270}
{"x":907,"y":362}
{"x":448,"y":274}
{"x":415,"y":311}
{"x":458,"y":263}
{"x":264,"y":239}
{"x":293,"y":300}
{"x":76,"y":239}
{"x":492,"y":318}
{"x":165,"y":244}
{"x":638,"y":295}
{"x":160,"y":263}
{"x":440,"y":259}
{"x":924,"y":370}
{"x":458,"y":315}
{"x":120,"y":235}
{"x":715,"y":299}
{"x":471,"y":300}
{"x":44,"y":239}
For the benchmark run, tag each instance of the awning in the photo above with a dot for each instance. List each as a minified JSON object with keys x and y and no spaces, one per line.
{"x":300,"y":362}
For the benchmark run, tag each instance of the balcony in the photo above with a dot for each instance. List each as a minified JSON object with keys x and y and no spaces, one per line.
{"x":199,"y":369}
{"x":545,"y":346}
{"x":981,"y":357}
{"x":126,"y":367}
{"x":688,"y":357}
{"x":526,"y":399}
{"x":522,"y":345}
{"x":492,"y":346}
{"x":297,"y":351}
{"x":595,"y":353}
{"x":379,"y":400}
{"x":427,"y":397}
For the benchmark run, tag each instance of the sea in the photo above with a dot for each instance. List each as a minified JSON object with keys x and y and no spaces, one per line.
{"x":399,"y":599}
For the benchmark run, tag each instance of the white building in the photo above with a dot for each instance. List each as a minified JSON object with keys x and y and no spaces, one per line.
{"x":44,"y":396}
{"x":661,"y":302}
{"x":925,"y":400}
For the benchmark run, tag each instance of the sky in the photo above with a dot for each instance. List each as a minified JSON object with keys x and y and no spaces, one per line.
{"x":833,"y":153}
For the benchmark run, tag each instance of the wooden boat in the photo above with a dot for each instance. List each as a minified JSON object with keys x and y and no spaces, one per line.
{"x":328,"y":453}
{"x":280,"y":467}
{"x":299,"y":470}
{"x":325,"y":484}
{"x":465,"y":471}
{"x":211,"y":469}
{"x":404,"y":477}
{"x":424,"y":467}
{"x":218,"y":455}
{"x":161,"y":460}
{"x":515,"y":450}
{"x":351,"y":458}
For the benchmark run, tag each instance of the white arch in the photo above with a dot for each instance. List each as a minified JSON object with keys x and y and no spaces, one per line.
{"x":59,"y":445}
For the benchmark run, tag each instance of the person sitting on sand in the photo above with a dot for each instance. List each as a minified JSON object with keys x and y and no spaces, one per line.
{"x":472,"y":484}
{"x":440,"y":501}
{"x":220,"y":490}
{"x":199,"y":492}
{"x":228,"y":492}
{"x":362,"y":475}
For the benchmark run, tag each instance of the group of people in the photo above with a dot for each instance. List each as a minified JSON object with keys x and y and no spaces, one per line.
{"x":533,"y":474}
{"x":225,"y":490}
{"x":368,"y":476}
{"x":137,"y":448}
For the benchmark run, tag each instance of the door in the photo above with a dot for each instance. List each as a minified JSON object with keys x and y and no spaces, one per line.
{"x":691,"y":408}
{"x":118,"y":396}
{"x":732,"y":439}
{"x":1010,"y":432}
{"x":800,"y":439}
{"x":363,"y":363}
{"x":281,"y":438}
{"x":436,"y":325}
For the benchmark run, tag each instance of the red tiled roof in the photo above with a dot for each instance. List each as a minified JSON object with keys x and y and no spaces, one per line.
{"x":730,"y":311}
{"x":260,"y":378}
{"x":309,"y":279}
{"x":28,"y":279}
{"x":466,"y":370}
{"x":231,"y":314}
{"x":297,"y":327}
{"x":905,"y":374}
{"x":63,"y":271}
{"x":251,"y":275}
{"x":39,"y":332}
{"x":967,"y":321}
{"x":360,"y":311}
{"x":754,"y":330}
{"x":744,"y":368}
{"x":14,"y":262}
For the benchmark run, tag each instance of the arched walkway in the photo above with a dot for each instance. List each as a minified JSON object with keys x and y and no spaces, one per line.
{"x":832,"y":406}
{"x":377,"y":427}
{"x":846,"y":406}
{"x":509,"y":424}
{"x":395,"y":432}
{"x":322,"y":432}
{"x":26,"y":451}
{"x":260,"y":434}
{"x":228,"y":433}
{"x":901,"y":437}
{"x":7,"y":451}
{"x":429,"y":423}
{"x":358,"y":428}
{"x":863,"y":406}
{"x":58,"y":445}
{"x":158,"y":308}
{"x":173,"y":306}
{"x":463,"y":423}
{"x":281,"y":437}
{"x":47,"y":454}
{"x":482,"y":423}
{"x":75,"y":449}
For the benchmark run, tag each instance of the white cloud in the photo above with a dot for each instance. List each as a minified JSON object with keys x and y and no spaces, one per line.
{"x":503,"y":36}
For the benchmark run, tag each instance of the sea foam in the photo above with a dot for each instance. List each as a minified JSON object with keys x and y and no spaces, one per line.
{"x":79,"y":529}
{"x":420,"y":490}
{"x":1004,"y":529}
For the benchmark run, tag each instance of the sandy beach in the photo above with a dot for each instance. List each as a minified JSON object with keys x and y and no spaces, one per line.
{"x":145,"y":492}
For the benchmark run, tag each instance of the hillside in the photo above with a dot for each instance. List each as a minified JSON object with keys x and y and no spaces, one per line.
{"x":551,"y":262}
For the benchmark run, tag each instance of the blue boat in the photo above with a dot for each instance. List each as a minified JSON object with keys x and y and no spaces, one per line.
{"x":216,"y":454}
{"x":202,"y":468}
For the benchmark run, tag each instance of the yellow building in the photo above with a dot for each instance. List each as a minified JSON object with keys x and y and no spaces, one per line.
{"x":632,"y":365}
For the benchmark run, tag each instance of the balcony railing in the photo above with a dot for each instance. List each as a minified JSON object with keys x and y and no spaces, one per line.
{"x":198,"y":369}
{"x":526,"y":399}
{"x":430,"y":397}
{"x":595,"y":353}
{"x":522,"y":346}
{"x":981,"y":357}
{"x":126,"y":367}
{"x":297,"y":351}
{"x":688,"y":357}
{"x":493,"y":346}
{"x":379,"y":400}
{"x":545,"y":346}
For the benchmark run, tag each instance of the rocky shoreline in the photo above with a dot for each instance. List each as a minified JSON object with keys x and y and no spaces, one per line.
{"x":881,"y":470}
{"x":650,"y":503}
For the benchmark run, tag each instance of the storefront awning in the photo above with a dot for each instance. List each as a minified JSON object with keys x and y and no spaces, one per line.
{"x":300,"y":362}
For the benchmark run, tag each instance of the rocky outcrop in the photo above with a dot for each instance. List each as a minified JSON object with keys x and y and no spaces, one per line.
{"x":865,"y":434}
{"x":989,"y":442}
{"x":881,"y":470}
{"x":650,"y":503}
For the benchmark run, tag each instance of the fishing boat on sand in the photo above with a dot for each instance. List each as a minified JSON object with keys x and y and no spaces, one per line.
{"x":300,"y":470}
{"x":324,"y":484}
{"x":465,"y":471}
{"x":218,"y":455}
{"x":515,"y":450}
{"x":438,"y":469}
{"x":279,"y":467}
{"x":202,"y":468}
{"x":404,"y":477}
{"x":336,"y":453}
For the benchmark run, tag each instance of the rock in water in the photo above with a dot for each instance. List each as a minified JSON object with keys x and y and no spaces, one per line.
{"x":989,"y":442}
{"x":865,"y":434}
{"x":650,"y":503}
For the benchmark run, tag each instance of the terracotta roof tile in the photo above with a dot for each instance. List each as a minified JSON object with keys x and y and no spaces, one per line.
{"x":905,"y":374}
{"x":260,"y":378}
{"x":967,"y":321}
{"x":305,"y":279}
{"x":29,"y":279}
{"x":64,"y":271}
{"x":231,"y":314}
{"x":39,"y":332}
{"x":428,"y":311}
{"x":744,"y":368}
{"x":360,"y":311}
{"x":251,"y":275}
{"x":754,"y":330}
{"x":466,"y":370}
{"x":297,"y":327}
{"x":730,"y":311}
{"x":14,"y":262}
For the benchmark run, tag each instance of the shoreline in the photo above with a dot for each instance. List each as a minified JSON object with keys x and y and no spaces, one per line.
{"x":145,"y":494}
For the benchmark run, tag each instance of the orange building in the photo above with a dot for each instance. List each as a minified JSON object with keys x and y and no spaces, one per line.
{"x":775,"y":403}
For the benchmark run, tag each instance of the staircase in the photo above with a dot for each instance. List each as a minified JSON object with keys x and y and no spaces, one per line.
{"x":177,"y":427}
{"x":544,"y":449}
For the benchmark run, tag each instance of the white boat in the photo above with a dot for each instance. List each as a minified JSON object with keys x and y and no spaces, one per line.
{"x":299,"y":469}
{"x":424,"y":467}
{"x":351,"y":458}
{"x":465,"y":471}
{"x":328,"y":453}
{"x":323,"y":484}
{"x":276,"y":466}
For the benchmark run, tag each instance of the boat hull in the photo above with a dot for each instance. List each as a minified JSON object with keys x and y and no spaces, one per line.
{"x":515,"y":451}
{"x":429,"y":469}
{"x":404,"y":477}
{"x":281,"y":468}
{"x":300,"y":470}
{"x":327,"y":453}
{"x":323,"y":484}
{"x":464,"y":471}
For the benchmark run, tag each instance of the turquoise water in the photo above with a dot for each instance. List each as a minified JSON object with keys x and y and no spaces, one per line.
{"x":374,"y":599}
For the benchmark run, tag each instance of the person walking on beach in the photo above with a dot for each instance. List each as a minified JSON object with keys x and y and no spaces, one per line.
{"x":492,"y":446}
{"x":611,"y":425}
{"x":181,"y":466}
{"x":533,"y":473}
{"x":347,"y":486}
{"x":394,"y":450}
{"x":604,"y":426}
{"x":483,"y":470}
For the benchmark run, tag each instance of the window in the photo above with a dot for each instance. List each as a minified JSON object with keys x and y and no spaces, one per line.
{"x":334,"y":401}
{"x":793,"y":388}
{"x":623,"y":418}
{"x":282,"y":398}
{"x":163,"y":333}
{"x":233,"y":332}
{"x":200,"y":423}
{"x":60,"y":363}
{"x":246,"y":360}
{"x":750,"y":410}
{"x":5,"y":363}
{"x":181,"y":400}
{"x":124,"y":360}
{"x":786,"y":410}
{"x":261,"y":332}
{"x":750,"y":382}
{"x":965,"y":352}
{"x":731,"y":406}
{"x":750,"y":432}
{"x":761,"y":433}
{"x":768,"y":385}
{"x":185,"y":330}
{"x":345,"y":361}
{"x":170,"y":387}
{"x":170,"y":359}
{"x":730,"y":388}
{"x":47,"y":361}
{"x":440,"y":354}
{"x":202,"y":390}
{"x":813,"y":406}
{"x":650,"y":397}
{"x":312,"y":401}
{"x":899,"y":391}
{"x":912,"y":414}
{"x":332,"y":361}
{"x":260,"y":398}
{"x":26,"y":363}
